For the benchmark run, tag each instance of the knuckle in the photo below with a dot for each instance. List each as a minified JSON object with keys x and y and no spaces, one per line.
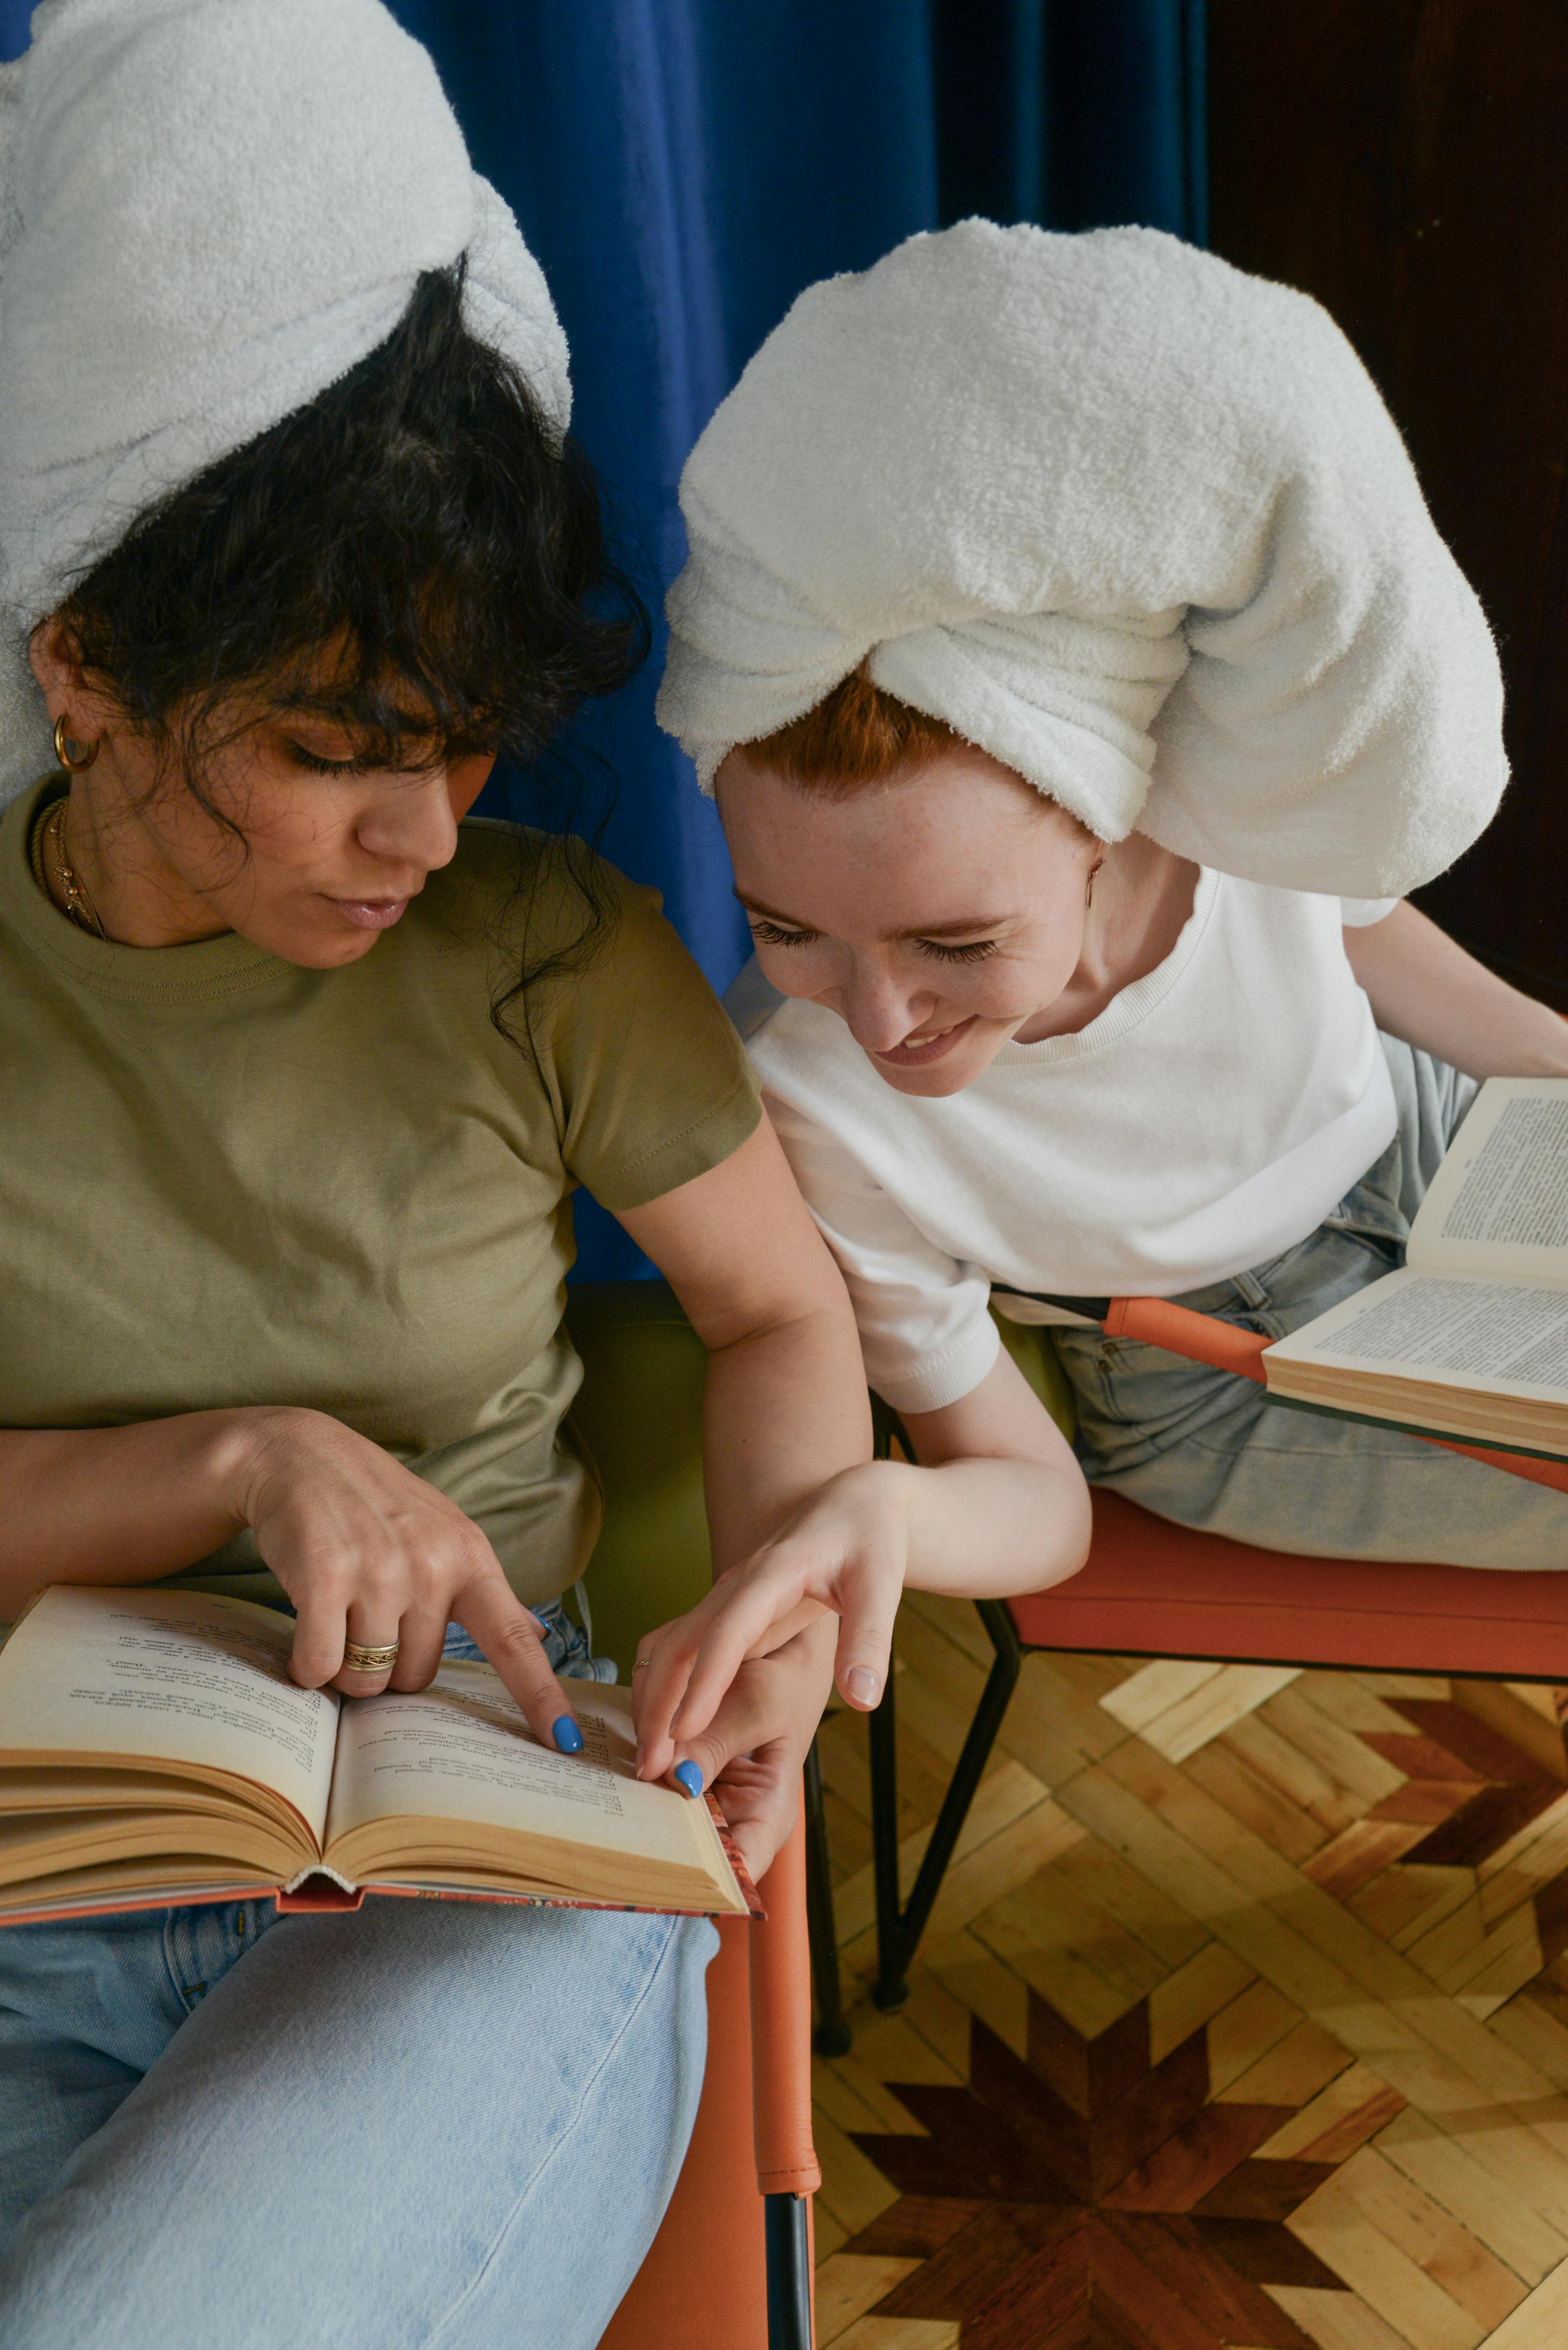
{"x":709,"y":1753}
{"x":379,"y":1599}
{"x":329,"y":1574}
{"x":469,"y":1550}
{"x":515,"y":1638}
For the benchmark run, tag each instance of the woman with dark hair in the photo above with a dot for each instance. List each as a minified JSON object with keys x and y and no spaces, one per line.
{"x":304,"y":1065}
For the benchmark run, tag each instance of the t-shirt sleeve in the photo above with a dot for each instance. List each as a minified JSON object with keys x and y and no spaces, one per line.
{"x":925,"y":1333}
{"x":652,"y":1086}
{"x":1360,"y":913}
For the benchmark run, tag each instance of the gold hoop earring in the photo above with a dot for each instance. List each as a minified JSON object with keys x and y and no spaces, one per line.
{"x":1089,"y":887}
{"x":85,"y":753}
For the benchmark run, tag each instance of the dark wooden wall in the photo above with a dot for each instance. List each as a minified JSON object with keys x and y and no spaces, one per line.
{"x":1407,"y":161}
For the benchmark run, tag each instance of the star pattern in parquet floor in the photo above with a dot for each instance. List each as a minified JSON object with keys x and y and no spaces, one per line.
{"x":1241,"y":2023}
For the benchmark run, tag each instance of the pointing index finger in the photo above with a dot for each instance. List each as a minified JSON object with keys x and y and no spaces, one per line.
{"x":509,"y":1637}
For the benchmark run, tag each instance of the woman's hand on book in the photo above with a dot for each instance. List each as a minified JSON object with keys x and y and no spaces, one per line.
{"x":844,"y":1553}
{"x":997,"y":1504}
{"x":372,"y":1554}
{"x":751,"y":1751}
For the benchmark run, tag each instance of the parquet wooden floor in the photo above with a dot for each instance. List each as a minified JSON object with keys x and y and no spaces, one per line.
{"x":1242,"y":2019}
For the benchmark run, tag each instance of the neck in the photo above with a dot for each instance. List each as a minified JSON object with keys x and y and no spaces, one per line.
{"x":1142,"y":897}
{"x":138,"y":897}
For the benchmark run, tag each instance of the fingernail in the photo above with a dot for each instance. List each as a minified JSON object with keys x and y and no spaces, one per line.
{"x":864,"y":1684}
{"x":567,"y":1735}
{"x":536,"y":1623}
{"x":688,"y":1776}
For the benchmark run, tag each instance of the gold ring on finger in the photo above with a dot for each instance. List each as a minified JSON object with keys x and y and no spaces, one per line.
{"x":360,"y":1659}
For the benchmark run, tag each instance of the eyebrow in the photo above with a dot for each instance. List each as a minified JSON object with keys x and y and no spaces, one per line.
{"x":967,"y":923}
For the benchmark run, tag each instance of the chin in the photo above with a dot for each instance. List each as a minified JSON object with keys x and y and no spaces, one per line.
{"x":315,"y":952}
{"x":935,"y":1083}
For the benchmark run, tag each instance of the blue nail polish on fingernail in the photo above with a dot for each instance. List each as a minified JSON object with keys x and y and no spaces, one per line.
{"x":690,"y":1777}
{"x":567,"y":1735}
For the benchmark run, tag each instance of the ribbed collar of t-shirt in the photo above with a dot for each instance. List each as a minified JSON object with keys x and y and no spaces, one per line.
{"x":1129,"y":1009}
{"x":197,"y":974}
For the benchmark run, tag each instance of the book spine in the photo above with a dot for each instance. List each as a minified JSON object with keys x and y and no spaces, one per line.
{"x":749,"y":1894}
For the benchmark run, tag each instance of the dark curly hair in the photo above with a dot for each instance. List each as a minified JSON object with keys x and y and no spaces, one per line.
{"x":412,"y":554}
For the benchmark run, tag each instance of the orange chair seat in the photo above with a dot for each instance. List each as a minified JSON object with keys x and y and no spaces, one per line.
{"x":1152,"y":1589}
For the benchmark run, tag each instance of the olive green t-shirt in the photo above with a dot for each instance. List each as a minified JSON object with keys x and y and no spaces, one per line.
{"x":227,"y":1181}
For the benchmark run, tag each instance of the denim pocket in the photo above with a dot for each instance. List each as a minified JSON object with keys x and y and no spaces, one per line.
{"x":1337,"y":1260}
{"x":1089,"y":1361}
{"x":565,"y":1647}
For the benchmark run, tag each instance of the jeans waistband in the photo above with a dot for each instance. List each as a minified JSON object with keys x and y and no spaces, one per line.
{"x":1093,"y":1309}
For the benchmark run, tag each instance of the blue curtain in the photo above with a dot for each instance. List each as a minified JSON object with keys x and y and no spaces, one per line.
{"x":1075,"y":113}
{"x":682,"y":169}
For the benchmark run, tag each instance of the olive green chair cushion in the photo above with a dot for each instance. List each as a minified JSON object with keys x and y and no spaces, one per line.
{"x":1031,"y":1347}
{"x":639,"y":1414}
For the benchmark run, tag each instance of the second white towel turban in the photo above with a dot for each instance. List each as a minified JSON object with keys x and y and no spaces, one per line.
{"x":1137,"y":524}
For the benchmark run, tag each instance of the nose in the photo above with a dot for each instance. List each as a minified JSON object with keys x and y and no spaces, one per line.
{"x":410,"y":823}
{"x":878,"y":1011}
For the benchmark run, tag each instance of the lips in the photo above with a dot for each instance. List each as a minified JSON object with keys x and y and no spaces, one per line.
{"x":918,"y":1055}
{"x":371,"y":913}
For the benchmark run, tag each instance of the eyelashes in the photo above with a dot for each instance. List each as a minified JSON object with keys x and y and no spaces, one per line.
{"x":774,"y":934}
{"x":317,"y":766}
{"x":975,"y":950}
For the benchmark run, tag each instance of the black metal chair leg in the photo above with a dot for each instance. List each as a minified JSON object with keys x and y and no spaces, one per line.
{"x":833,"y":2035}
{"x":899,"y":1930}
{"x":789,"y":2271}
{"x":889,"y":1990}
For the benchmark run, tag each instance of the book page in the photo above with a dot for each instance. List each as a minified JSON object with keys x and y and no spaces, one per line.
{"x":1499,"y":1204}
{"x":1506,"y":1336}
{"x":168,"y":1677}
{"x":461,"y":1751}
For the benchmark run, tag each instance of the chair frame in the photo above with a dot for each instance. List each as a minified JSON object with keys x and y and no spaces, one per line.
{"x":899,"y":1929}
{"x":763,"y":1962}
{"x":786,"y":2222}
{"x":832,"y":2036}
{"x":901,"y":1924}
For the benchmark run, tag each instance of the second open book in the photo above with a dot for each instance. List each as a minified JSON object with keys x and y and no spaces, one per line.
{"x":154,"y":1750}
{"x":1470,"y":1338}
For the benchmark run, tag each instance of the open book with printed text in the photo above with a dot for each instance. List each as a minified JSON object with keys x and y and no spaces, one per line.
{"x":153,"y":1750}
{"x":1470,"y":1337}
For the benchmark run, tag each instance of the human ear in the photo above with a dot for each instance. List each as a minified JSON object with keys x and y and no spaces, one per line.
{"x":57,"y":664}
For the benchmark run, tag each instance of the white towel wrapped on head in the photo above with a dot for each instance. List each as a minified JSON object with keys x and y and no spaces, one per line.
{"x":1136,"y":524}
{"x":210,"y":210}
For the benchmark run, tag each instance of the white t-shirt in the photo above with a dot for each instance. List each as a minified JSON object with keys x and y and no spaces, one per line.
{"x":1211,"y":1116}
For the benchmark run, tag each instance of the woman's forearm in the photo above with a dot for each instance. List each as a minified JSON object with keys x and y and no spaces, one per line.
{"x":118,"y":1504}
{"x":783,"y":1411}
{"x":985,"y":1529}
{"x":1429,"y":992}
{"x":999,"y":1504}
{"x":785,"y":1406}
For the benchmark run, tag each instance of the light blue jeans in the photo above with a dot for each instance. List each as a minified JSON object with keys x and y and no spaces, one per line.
{"x":431,"y":2123}
{"x":1208,"y":1449}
